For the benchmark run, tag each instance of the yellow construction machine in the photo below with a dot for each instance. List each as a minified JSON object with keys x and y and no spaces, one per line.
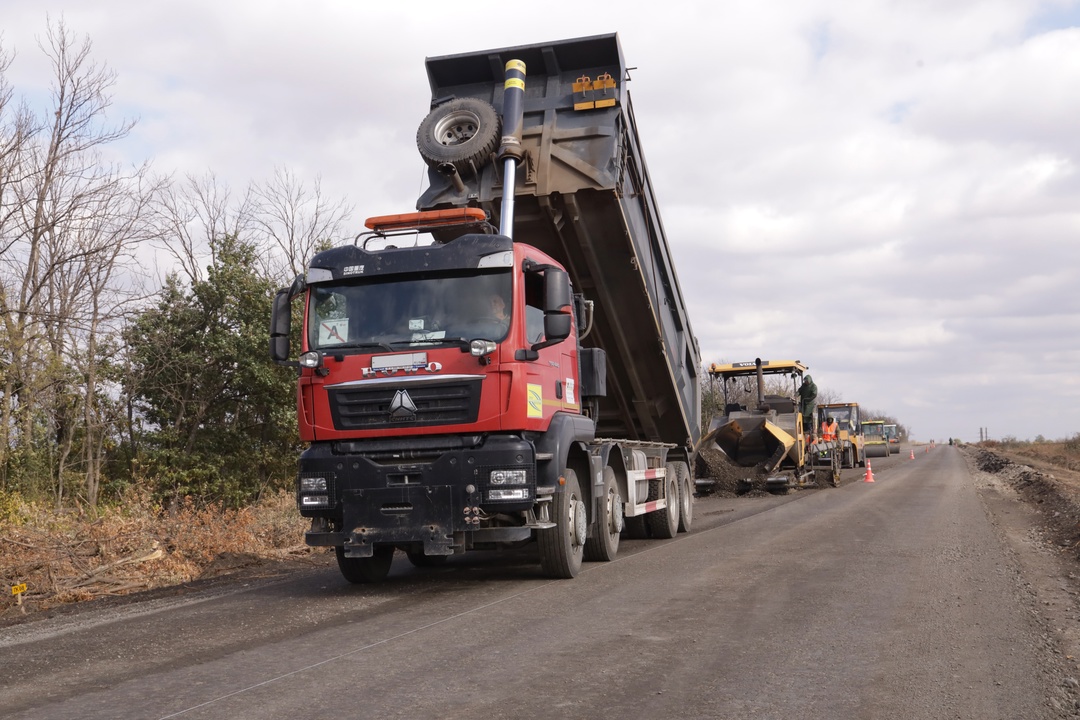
{"x":893,"y":434}
{"x":759,"y":441}
{"x":849,"y":439}
{"x":876,"y":440}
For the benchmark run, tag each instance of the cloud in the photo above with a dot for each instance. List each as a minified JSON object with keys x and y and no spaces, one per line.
{"x":886,"y":191}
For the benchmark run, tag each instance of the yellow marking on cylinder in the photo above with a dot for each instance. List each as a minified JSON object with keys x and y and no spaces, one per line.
{"x":514,"y":83}
{"x":515,"y":65}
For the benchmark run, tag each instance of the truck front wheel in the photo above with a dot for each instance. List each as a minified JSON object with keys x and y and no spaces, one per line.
{"x":366,"y":569}
{"x":562,"y":547}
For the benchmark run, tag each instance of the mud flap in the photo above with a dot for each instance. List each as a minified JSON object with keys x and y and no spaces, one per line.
{"x":400,"y":515}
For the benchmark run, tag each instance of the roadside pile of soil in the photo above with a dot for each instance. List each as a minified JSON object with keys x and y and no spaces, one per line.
{"x":70,"y":557}
{"x":728,"y":479}
{"x":1051,"y":488}
{"x":725,"y":475}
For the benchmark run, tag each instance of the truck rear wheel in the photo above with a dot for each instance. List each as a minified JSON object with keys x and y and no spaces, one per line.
{"x":562,"y":547}
{"x":604,"y":544}
{"x":664,"y":523}
{"x":686,"y":496}
{"x":366,"y":569}
{"x":463,"y":132}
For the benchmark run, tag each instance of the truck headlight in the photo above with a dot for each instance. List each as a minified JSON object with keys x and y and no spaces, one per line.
{"x":313,"y":484}
{"x":313,"y":491}
{"x":508,"y":477}
{"x":480,"y":348}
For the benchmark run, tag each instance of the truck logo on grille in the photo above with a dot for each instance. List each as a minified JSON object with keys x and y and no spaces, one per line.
{"x":402,"y":407}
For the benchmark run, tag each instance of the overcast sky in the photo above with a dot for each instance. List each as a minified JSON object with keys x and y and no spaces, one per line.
{"x":887,"y":190}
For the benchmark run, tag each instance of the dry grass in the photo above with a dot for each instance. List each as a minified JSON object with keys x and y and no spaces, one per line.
{"x":70,"y":557}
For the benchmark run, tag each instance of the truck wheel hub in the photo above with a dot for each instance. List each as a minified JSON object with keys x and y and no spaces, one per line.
{"x":579,"y":523}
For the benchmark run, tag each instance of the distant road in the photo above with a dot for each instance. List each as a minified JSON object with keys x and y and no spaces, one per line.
{"x":887,"y":600}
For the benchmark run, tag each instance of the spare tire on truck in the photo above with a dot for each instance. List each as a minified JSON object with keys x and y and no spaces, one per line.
{"x":462,"y":133}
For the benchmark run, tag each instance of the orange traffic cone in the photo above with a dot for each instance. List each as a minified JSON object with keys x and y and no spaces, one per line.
{"x":927,"y":448}
{"x":912,"y":454}
{"x":869,"y":473}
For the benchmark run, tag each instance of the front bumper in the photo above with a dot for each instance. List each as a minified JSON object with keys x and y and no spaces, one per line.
{"x":422,"y":491}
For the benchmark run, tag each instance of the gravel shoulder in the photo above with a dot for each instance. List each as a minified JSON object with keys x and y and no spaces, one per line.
{"x":1034,"y":505}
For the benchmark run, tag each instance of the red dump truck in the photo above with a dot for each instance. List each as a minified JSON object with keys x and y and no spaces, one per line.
{"x":500,"y":368}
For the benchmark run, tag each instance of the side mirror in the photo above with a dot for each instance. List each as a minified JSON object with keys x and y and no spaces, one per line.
{"x":557,"y":293}
{"x":280,"y":327}
{"x":558,"y":306}
{"x":557,"y":326}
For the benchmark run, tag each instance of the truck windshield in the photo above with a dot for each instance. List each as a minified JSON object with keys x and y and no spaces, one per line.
{"x":409,"y":311}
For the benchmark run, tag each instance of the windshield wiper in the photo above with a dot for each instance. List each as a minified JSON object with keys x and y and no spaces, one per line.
{"x":357,"y":346}
{"x":434,"y":341}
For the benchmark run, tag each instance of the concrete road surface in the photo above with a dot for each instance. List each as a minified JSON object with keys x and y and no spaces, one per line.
{"x":896,"y":599}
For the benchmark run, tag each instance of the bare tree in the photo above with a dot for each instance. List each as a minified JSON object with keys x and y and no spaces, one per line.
{"x":827,"y":396}
{"x":71,"y":226}
{"x":191,"y":214}
{"x":296,"y":221}
{"x":17,"y":124}
{"x":67,"y":223}
{"x":107,"y":275}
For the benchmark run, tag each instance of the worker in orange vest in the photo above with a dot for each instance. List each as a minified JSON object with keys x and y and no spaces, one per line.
{"x":829,"y":429}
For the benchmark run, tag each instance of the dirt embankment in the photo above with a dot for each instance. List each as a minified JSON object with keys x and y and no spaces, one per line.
{"x":1044,"y":475}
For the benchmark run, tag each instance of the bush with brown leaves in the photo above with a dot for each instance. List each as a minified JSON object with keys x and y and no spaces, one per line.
{"x":70,"y":556}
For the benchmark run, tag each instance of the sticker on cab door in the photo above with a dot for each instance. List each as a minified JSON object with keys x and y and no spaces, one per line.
{"x":535,"y":400}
